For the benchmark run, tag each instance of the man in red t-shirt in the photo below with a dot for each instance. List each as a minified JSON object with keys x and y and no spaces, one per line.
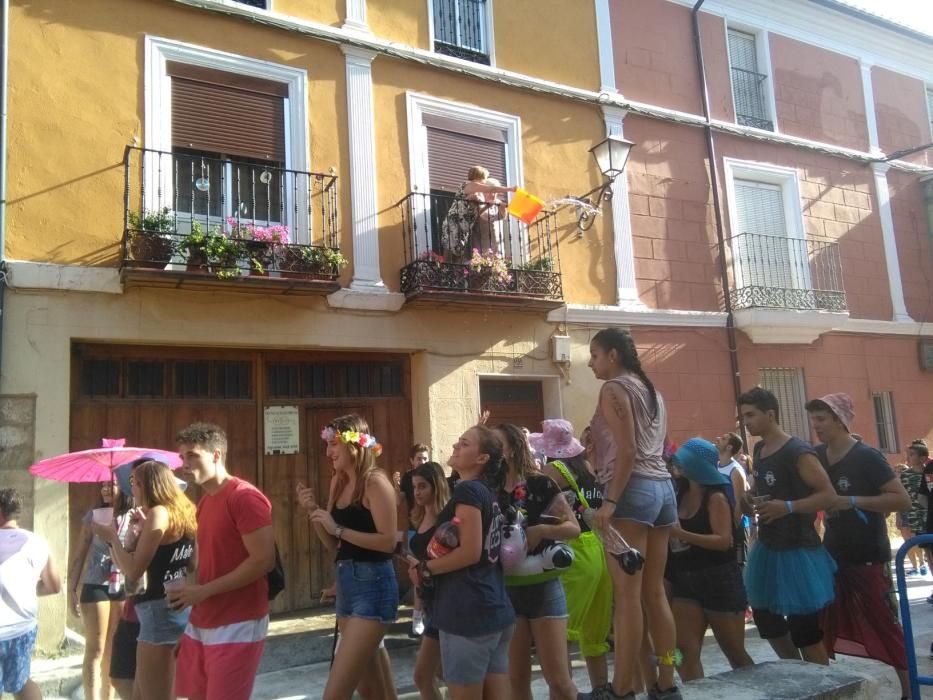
{"x":219,"y":653}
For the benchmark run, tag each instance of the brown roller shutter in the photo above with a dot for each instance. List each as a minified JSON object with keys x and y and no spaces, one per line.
{"x":452,"y":154}
{"x":227,"y":114}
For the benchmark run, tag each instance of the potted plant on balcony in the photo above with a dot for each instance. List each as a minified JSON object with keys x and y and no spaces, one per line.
{"x":489,"y":272}
{"x":259,"y":243}
{"x":148,"y":238}
{"x":309,"y":262}
{"x":211,"y":251}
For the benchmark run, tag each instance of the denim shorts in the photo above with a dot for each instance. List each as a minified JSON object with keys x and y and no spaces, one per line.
{"x":367,"y":589}
{"x":15,"y":661}
{"x":468,"y":660}
{"x":539,"y":600}
{"x":159,"y":624}
{"x":647,"y":501}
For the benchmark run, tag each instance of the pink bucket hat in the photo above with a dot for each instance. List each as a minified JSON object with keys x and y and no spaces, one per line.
{"x":556,"y":439}
{"x":840,"y":404}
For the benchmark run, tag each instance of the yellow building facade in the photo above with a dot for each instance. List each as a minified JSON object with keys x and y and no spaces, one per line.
{"x":98,"y":345}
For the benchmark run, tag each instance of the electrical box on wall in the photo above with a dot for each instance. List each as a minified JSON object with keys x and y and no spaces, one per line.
{"x":560,"y":345}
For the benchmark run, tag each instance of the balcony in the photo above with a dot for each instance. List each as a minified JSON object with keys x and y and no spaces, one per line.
{"x":748,"y":93}
{"x":786,"y":289}
{"x":197,"y":221}
{"x":506,"y":263}
{"x":460,"y":29}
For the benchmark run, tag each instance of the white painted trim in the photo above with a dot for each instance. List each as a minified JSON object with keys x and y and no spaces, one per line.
{"x":525,"y":82}
{"x":157,"y":97}
{"x":364,"y":197}
{"x":490,"y":42}
{"x":883,"y":204}
{"x":786,"y":326}
{"x":607,"y":69}
{"x":785,"y":178}
{"x":366,"y":300}
{"x":418,"y":105}
{"x":355,"y":19}
{"x":725,"y":42}
{"x":764,"y":54}
{"x":27,"y":274}
{"x":623,"y":246}
{"x":819,"y":26}
{"x":871,"y":116}
{"x":864,"y":325}
{"x":927,"y":91}
{"x":601,"y":315}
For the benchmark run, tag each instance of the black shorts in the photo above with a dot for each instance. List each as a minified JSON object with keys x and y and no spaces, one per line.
{"x":716,"y":589}
{"x":805,"y":630}
{"x":123,"y":656}
{"x":91,"y":593}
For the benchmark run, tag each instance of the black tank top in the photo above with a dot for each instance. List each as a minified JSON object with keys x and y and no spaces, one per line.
{"x":695,"y":557}
{"x":169,"y":562}
{"x":356,"y":517}
{"x":777,"y":476}
{"x":419,"y":542}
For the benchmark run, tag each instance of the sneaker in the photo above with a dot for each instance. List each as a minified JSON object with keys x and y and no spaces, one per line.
{"x":911,"y":572}
{"x":605,"y":692}
{"x":670,"y":694}
{"x":924,"y":570}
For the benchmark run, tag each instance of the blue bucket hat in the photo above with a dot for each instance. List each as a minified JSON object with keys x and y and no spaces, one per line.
{"x":698,"y":459}
{"x":124,"y":470}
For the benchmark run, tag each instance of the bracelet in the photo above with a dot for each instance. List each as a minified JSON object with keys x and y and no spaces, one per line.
{"x":609,"y":500}
{"x":338,"y":533}
{"x":789,"y":505}
{"x":852,"y":501}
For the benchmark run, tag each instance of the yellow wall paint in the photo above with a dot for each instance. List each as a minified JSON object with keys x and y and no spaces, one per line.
{"x":404,"y":23}
{"x":324,"y":11}
{"x":66,"y":176}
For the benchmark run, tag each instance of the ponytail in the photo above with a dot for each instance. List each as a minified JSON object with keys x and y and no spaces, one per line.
{"x":622,"y":342}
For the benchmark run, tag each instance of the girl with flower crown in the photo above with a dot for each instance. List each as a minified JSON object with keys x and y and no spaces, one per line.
{"x":360,"y":526}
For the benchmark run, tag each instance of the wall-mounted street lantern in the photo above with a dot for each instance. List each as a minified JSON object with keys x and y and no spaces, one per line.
{"x":610,"y":155}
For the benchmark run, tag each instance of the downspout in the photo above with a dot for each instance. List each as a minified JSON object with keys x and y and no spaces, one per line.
{"x":717,"y":208}
{"x":4,"y":90}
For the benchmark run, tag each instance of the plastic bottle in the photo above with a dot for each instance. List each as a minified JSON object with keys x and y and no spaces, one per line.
{"x":629,"y":558}
{"x":446,"y":539}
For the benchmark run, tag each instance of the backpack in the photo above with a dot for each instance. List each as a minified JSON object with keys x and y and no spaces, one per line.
{"x":276,"y":576}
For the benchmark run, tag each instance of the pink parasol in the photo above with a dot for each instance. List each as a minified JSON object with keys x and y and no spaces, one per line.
{"x":90,"y":466}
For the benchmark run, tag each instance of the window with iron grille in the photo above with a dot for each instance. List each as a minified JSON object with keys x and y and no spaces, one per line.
{"x":100,"y":378}
{"x":219,"y":379}
{"x":787,"y":384}
{"x":461,"y":29}
{"x":749,"y":83}
{"x":334,"y":380}
{"x":145,"y":379}
{"x":885,"y":422}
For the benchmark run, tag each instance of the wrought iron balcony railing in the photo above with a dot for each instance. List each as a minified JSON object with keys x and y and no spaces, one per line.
{"x":775,"y":272}
{"x":189,"y":215}
{"x":748,"y":93}
{"x":460,"y":29}
{"x":504,"y":260}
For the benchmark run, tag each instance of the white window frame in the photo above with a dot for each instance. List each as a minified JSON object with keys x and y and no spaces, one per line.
{"x":490,"y":44}
{"x":788,"y":180}
{"x":763,"y":51}
{"x":784,"y":410}
{"x":887,"y":443}
{"x":157,"y":89}
{"x":418,"y":105}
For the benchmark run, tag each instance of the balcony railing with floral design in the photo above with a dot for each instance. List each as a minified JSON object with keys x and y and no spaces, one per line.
{"x":191,"y":218}
{"x":504,"y":261}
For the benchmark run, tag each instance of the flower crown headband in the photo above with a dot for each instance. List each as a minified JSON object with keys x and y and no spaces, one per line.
{"x":351,"y":437}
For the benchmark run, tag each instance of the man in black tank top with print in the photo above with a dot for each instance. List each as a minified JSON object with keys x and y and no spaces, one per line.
{"x":789,"y":575}
{"x":863,"y":620}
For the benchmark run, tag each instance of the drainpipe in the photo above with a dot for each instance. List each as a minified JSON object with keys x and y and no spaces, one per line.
{"x":717,"y":209}
{"x":4,"y":89}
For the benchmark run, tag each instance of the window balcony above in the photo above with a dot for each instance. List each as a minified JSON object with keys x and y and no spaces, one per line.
{"x":461,"y":29}
{"x":198,"y":220}
{"x":495,"y":260}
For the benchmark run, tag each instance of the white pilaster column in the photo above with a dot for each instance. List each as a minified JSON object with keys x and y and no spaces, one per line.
{"x":607,"y":69}
{"x":355,"y":18}
{"x":871,"y":121}
{"x":363,"y":197}
{"x":623,"y":249}
{"x":883,"y":202}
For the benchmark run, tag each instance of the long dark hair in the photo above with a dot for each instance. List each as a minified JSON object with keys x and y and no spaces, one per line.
{"x":521,"y":459}
{"x":622,"y":342}
{"x":491,"y":445}
{"x":433,"y":473}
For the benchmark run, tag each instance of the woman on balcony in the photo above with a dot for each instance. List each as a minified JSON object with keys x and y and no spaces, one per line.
{"x":469,"y":221}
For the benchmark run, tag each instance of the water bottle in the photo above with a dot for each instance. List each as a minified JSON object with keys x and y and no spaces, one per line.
{"x":446,"y":539}
{"x":115,"y":582}
{"x":629,"y":558}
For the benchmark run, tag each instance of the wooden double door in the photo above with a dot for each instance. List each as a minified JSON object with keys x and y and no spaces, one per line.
{"x":146,"y":395}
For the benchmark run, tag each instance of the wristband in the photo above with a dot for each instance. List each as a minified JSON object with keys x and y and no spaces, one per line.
{"x":789,"y":505}
{"x":338,"y":533}
{"x":609,"y":500}
{"x":852,"y":501}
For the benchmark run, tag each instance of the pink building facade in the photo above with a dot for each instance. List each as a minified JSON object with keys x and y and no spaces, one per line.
{"x":826,"y":247}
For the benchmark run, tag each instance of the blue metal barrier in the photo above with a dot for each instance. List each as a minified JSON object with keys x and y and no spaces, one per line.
{"x":915,"y":680}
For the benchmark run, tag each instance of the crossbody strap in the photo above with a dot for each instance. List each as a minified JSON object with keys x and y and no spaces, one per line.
{"x":565,"y":472}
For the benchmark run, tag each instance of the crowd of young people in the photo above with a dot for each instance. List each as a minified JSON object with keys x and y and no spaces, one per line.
{"x":717,"y":535}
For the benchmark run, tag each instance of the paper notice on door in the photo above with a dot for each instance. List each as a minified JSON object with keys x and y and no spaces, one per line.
{"x":282,"y":430}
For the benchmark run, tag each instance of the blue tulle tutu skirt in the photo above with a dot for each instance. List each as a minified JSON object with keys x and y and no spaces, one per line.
{"x":790,"y":581}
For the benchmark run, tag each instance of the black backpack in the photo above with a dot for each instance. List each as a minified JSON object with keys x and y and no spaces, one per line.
{"x":276,"y":576}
